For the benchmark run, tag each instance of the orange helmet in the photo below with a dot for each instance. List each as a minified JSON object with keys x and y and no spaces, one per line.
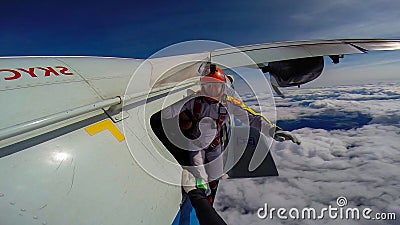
{"x":213,"y":84}
{"x":215,"y":75}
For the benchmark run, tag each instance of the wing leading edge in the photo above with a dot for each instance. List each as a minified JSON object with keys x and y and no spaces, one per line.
{"x":272,"y":52}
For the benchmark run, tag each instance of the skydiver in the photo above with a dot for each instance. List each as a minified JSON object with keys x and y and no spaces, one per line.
{"x":202,"y":119}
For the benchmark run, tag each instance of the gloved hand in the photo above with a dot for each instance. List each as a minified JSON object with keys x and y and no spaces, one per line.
{"x":281,"y":135}
{"x":188,"y":181}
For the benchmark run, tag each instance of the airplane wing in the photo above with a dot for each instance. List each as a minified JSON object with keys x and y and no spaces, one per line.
{"x":289,"y":63}
{"x":296,"y":63}
{"x":272,"y":52}
{"x":76,"y":139}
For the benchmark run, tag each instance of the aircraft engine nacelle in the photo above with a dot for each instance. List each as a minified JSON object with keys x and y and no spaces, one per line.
{"x":295,"y":72}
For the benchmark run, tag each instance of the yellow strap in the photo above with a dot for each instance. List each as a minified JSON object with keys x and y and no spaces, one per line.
{"x":245,"y":107}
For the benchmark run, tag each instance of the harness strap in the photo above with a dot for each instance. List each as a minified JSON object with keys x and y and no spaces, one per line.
{"x":197,"y":108}
{"x":220,"y":122}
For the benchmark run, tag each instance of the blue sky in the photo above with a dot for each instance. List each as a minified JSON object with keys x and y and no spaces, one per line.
{"x":138,"y":29}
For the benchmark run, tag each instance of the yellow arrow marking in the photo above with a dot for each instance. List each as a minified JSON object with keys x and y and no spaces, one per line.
{"x":105,"y":125}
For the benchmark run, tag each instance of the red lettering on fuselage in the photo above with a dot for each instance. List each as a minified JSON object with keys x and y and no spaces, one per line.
{"x":48,"y":71}
{"x":16,"y":74}
{"x":30,"y":71}
{"x":64,"y":70}
{"x":35,"y":72}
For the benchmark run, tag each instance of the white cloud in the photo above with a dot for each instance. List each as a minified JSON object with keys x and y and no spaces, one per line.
{"x":362,"y":164}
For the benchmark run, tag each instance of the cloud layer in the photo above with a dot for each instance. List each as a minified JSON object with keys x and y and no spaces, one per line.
{"x":358,"y":160}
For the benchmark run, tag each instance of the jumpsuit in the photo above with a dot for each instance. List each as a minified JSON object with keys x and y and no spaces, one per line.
{"x":206,"y":160}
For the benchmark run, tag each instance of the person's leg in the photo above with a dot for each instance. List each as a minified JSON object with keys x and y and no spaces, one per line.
{"x":215,"y":164}
{"x":213,"y":187}
{"x":215,"y":169}
{"x":198,"y":159}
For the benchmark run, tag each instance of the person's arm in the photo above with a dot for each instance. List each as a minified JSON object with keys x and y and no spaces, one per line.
{"x":175,"y":109}
{"x":205,"y":212}
{"x":258,"y":121}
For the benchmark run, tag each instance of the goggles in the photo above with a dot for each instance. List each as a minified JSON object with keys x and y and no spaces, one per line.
{"x":213,"y":89}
